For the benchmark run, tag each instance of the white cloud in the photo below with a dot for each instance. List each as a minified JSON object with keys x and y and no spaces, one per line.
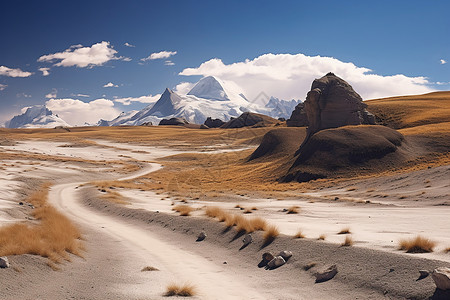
{"x":160,"y":55}
{"x":5,"y":71}
{"x":169,"y":63}
{"x":45,"y":71}
{"x":289,"y":76}
{"x":126,"y":59}
{"x":143,"y":99}
{"x":82,"y":57}
{"x":77,"y":112}
{"x":52,"y":94}
{"x":81,"y":95}
{"x":129,"y":45}
{"x":443,"y":62}
{"x":183,"y":88}
{"x":110,"y":84}
{"x":3,"y":86}
{"x":23,"y":95}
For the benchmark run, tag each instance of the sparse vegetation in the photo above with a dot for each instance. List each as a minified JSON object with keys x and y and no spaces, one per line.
{"x":186,"y":290}
{"x":149,"y":269}
{"x":271,"y":233}
{"x":293,"y":210}
{"x":53,"y":237}
{"x":345,"y":230}
{"x":322,"y":237}
{"x":447,"y":250}
{"x":348,"y":241}
{"x":243,"y":224}
{"x":184,"y":210}
{"x":299,"y":235}
{"x":418,"y":244}
{"x":259,"y":223}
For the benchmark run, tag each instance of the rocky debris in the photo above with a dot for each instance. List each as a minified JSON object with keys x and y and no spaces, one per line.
{"x":267,"y":256}
{"x":278,"y":261}
{"x":332,"y":103}
{"x":298,"y":117}
{"x":247,"y":239}
{"x":326,"y":274}
{"x":285,"y":254}
{"x":249,"y":119}
{"x":203,"y":126}
{"x":441,"y":277}
{"x":423,"y":274}
{"x":174,"y":121}
{"x":202,"y":235}
{"x":147,"y":124}
{"x":4,"y":263}
{"x":213,"y":123}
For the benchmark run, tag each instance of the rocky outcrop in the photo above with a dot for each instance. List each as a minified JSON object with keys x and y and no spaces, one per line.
{"x":249,"y":119}
{"x":298,"y":117}
{"x":213,"y":123}
{"x":441,"y":277}
{"x":174,"y":121}
{"x":332,"y":103}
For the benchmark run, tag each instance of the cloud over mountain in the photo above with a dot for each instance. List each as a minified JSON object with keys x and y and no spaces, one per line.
{"x":289,"y":76}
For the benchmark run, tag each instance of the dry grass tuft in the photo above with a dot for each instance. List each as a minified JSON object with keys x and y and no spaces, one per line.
{"x":215,"y":212}
{"x":299,"y":235}
{"x":149,"y":268}
{"x":418,"y":244}
{"x":248,"y":211}
{"x":186,"y":290}
{"x":243,"y":224}
{"x":259,"y":223}
{"x":270,"y":234}
{"x":322,"y":237}
{"x":345,"y":230}
{"x":293,"y":210}
{"x":254,"y":208}
{"x":237,"y":206}
{"x":348,"y":241}
{"x":53,"y":237}
{"x":184,"y":210}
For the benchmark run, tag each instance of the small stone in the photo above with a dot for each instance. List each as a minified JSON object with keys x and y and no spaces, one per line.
{"x":267,"y":256}
{"x":201,"y":236}
{"x":225,"y":263}
{"x":276,"y":262}
{"x":285,"y":254}
{"x":20,"y":203}
{"x":326,"y":274}
{"x":424,"y":273}
{"x":441,"y":277}
{"x":247,"y":239}
{"x":4,"y":263}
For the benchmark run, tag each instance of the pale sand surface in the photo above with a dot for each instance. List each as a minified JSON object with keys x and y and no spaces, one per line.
{"x":118,"y":245}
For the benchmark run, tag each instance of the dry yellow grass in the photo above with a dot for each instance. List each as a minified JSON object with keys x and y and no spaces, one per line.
{"x":243,"y":224}
{"x":447,"y":250}
{"x":418,"y":244}
{"x":348,"y":241}
{"x":184,"y":210}
{"x":259,"y":223}
{"x":54,"y":236}
{"x":293,"y":210}
{"x":322,"y":237}
{"x":270,"y":233}
{"x":215,"y":212}
{"x":186,"y":290}
{"x":345,"y":230}
{"x":299,"y":235}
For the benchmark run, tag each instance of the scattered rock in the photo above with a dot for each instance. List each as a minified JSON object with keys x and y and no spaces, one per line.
{"x":213,"y":123}
{"x":174,"y":121}
{"x":327,"y":274}
{"x":267,"y":256}
{"x":423,"y":274}
{"x":203,"y":126}
{"x":225,"y":263}
{"x":21,"y":203}
{"x":276,"y":262}
{"x":247,"y":239}
{"x":441,"y":277}
{"x":4,"y":263}
{"x":147,"y":124}
{"x":285,"y":254}
{"x":201,"y":236}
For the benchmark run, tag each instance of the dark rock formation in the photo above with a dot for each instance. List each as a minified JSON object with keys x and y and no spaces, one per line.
{"x":213,"y":123}
{"x":332,"y":103}
{"x":298,"y":117}
{"x":174,"y":121}
{"x":250,"y":119}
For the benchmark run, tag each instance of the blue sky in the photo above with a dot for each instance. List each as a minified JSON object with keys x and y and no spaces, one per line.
{"x":382,"y":48}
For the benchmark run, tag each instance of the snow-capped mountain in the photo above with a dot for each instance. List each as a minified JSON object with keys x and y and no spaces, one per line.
{"x":124,"y":116}
{"x":37,"y":116}
{"x":281,"y":108}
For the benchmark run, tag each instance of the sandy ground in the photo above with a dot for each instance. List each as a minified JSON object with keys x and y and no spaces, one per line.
{"x":118,"y":245}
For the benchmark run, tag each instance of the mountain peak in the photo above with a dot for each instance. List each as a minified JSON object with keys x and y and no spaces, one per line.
{"x":209,"y":87}
{"x":37,"y":116}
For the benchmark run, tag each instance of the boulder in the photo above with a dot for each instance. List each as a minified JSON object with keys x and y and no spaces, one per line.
{"x":285,"y":254}
{"x":332,"y":103}
{"x":174,"y":121}
{"x":298,"y":117}
{"x":213,"y":123}
{"x":247,"y":239}
{"x":267,"y":256}
{"x":326,"y":274}
{"x":4,"y":263}
{"x":276,"y":262}
{"x":441,"y":277}
{"x":201,"y":236}
{"x":249,"y":119}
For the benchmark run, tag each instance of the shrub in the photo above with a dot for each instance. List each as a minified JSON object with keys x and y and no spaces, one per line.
{"x":149,"y":268}
{"x":259,"y":223}
{"x":322,"y":237}
{"x":418,"y":244}
{"x":186,"y":290}
{"x":293,"y":210}
{"x":299,"y":235}
{"x":184,"y":210}
{"x":344,"y":231}
{"x":348,"y":241}
{"x":243,"y":224}
{"x":270,"y":234}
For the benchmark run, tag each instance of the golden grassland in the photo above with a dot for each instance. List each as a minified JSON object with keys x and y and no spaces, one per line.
{"x":54,"y":236}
